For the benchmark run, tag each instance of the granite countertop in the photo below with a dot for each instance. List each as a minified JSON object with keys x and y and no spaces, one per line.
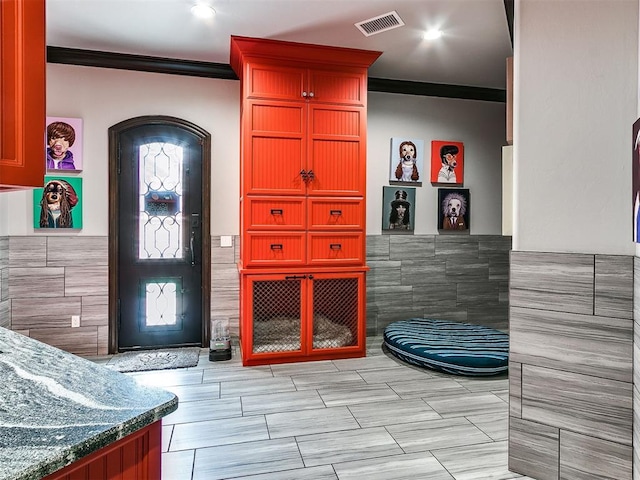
{"x":56,"y":407}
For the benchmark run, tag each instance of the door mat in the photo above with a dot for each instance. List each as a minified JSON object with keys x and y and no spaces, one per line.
{"x":166,"y":358}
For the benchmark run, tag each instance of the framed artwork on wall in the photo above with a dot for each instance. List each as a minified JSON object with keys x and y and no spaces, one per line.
{"x":635,"y":171}
{"x":58,"y":204}
{"x":447,"y":162}
{"x":63,"y":143}
{"x":406,"y":161}
{"x":398,"y":212}
{"x":454,"y":213}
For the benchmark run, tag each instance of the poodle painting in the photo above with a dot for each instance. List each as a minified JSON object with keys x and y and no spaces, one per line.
{"x":406,"y":161}
{"x":58,"y":204}
{"x":453,"y":210}
{"x":447,"y":162}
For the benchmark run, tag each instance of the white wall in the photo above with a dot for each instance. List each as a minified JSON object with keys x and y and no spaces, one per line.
{"x":104,"y":97}
{"x":576,"y":76}
{"x":479,"y":125}
{"x":4,"y":214}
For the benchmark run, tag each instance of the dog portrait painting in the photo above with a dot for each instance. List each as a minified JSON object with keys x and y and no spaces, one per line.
{"x":398,"y":215}
{"x":63,"y":143}
{"x":447,"y":162}
{"x":453,"y":210}
{"x":58,"y":204}
{"x":407,"y":160}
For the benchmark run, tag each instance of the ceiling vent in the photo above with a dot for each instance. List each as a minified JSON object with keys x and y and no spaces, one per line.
{"x":379,"y":24}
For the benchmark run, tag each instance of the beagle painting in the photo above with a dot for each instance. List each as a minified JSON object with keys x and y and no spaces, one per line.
{"x":57,"y":201}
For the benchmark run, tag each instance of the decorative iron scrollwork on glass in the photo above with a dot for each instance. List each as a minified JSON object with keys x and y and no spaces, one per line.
{"x":160,"y":175}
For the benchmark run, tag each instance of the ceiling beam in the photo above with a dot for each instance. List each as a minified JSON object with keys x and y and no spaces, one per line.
{"x":172,"y":66}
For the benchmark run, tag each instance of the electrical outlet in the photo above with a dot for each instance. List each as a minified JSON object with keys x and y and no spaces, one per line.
{"x":226,"y":241}
{"x":75,"y":321}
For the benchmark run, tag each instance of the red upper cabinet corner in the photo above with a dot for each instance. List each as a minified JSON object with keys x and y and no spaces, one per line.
{"x":22,"y":93}
{"x":298,"y":53}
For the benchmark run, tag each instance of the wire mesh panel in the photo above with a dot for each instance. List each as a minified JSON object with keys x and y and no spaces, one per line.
{"x":276,"y":316}
{"x":335,"y":312}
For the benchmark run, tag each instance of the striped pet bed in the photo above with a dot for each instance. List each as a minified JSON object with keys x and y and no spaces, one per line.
{"x":451,"y":347}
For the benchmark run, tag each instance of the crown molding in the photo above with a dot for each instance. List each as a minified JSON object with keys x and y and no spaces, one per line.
{"x":172,"y":66}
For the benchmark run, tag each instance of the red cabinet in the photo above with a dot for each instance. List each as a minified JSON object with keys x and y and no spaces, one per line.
{"x":134,"y":457}
{"x":302,"y":316}
{"x":303,"y":184}
{"x":22,"y":93}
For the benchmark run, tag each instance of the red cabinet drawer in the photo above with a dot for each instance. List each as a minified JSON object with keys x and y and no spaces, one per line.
{"x":330,"y":249}
{"x":335,"y":214}
{"x":274,"y":213}
{"x":266,"y":249}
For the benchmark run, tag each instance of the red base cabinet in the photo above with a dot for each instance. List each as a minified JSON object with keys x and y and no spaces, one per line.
{"x":303,"y":185}
{"x":294,"y":316}
{"x":134,"y":457}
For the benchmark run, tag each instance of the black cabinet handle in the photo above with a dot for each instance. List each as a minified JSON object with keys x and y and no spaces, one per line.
{"x":295,"y":277}
{"x":335,"y":246}
{"x":276,"y":211}
{"x":335,"y":212}
{"x":311,"y":175}
{"x":276,"y":246}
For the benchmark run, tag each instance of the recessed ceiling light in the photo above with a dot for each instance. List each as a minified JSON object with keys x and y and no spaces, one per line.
{"x":202,"y":10}
{"x":432,"y":34}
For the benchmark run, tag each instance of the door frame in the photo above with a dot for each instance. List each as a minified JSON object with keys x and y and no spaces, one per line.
{"x":204,"y":137}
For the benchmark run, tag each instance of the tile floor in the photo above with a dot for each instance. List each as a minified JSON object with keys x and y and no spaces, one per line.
{"x":371,"y":418}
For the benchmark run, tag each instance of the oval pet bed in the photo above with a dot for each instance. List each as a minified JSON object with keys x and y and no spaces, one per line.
{"x":451,"y":347}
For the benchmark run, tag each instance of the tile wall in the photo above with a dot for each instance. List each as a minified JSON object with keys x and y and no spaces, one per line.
{"x":5,"y":304}
{"x":47,"y":279}
{"x":571,"y":362}
{"x":453,"y":277}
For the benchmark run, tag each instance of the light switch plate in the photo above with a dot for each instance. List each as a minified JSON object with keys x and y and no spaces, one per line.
{"x":226,"y":241}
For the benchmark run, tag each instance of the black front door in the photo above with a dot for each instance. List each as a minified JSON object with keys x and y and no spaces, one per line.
{"x":160,"y":236}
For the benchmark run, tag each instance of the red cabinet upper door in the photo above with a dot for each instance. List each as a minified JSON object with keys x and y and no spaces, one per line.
{"x":273,"y":148}
{"x":336,"y":153}
{"x":347,"y":86}
{"x":22,"y":93}
{"x":275,"y":82}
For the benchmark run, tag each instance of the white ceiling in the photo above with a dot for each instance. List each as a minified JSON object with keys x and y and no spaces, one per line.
{"x":472,"y":50}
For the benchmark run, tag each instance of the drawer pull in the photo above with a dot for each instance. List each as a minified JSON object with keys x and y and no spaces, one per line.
{"x":335,"y":246}
{"x":276,"y":211}
{"x":335,"y":212}
{"x":276,"y":246}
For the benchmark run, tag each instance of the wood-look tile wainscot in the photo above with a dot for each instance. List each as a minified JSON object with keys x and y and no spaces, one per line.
{"x":552,"y":281}
{"x":458,"y":278}
{"x":572,"y":340}
{"x":636,"y":366}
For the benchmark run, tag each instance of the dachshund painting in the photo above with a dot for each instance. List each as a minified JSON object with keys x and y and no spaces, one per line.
{"x":58,"y":198}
